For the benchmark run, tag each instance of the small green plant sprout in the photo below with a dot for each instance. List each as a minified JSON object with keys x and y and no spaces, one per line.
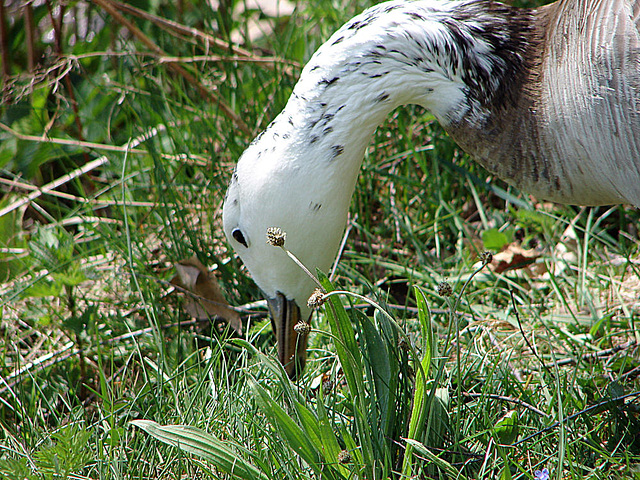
{"x":506,"y":429}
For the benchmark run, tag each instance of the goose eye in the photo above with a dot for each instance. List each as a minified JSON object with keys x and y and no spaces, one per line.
{"x":237,"y":234}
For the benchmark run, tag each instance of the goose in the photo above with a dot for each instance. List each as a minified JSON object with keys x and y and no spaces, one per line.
{"x":547,"y":99}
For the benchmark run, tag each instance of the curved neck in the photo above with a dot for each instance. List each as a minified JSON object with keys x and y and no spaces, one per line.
{"x":459,"y":60}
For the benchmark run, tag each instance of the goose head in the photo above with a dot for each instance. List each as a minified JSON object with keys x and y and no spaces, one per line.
{"x":477,"y":67}
{"x":274,"y":185}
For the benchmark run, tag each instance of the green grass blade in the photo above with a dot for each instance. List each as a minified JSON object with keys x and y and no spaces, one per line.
{"x":448,"y":469}
{"x":351,"y":361}
{"x":296,"y":437}
{"x":327,"y":435}
{"x":200,"y":443}
{"x":421,"y":397}
{"x":379,"y":362}
{"x":346,"y":346}
{"x":379,"y":370}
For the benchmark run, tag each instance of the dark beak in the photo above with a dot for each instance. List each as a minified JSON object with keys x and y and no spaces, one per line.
{"x":292,"y":346}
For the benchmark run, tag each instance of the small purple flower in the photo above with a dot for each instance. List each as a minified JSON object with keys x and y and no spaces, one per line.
{"x":541,"y":474}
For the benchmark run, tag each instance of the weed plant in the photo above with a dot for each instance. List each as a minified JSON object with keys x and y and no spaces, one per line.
{"x":120,"y":126}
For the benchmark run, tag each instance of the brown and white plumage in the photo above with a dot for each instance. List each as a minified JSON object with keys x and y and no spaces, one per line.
{"x":573,"y":133}
{"x":547,"y":99}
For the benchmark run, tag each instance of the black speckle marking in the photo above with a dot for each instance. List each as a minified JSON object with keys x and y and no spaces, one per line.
{"x":383,"y":97}
{"x":398,"y":52}
{"x":285,"y":136}
{"x":416,"y":16}
{"x":545,"y":172}
{"x":290,"y":120}
{"x":327,"y":130}
{"x":315,"y":67}
{"x":357,"y":25}
{"x":257,"y":139}
{"x":336,"y":151}
{"x":313,"y":140}
{"x":338,"y":40}
{"x":328,"y":82}
{"x":326,"y":118}
{"x":314,"y":207}
{"x":239,"y":237}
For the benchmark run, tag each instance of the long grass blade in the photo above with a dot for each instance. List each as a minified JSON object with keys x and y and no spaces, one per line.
{"x":448,"y":469}
{"x":204,"y":445}
{"x":296,"y":437}
{"x":421,"y":397}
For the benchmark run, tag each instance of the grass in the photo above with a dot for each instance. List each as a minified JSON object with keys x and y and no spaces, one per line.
{"x":113,"y":167}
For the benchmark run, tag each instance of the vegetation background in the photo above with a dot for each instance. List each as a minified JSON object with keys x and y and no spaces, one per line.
{"x":120,"y":125}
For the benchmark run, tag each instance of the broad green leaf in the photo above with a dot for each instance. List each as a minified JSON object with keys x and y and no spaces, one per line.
{"x":379,"y":363}
{"x":506,"y":429}
{"x":309,"y":424}
{"x":494,"y":239}
{"x":43,"y":288}
{"x":421,"y":398}
{"x":346,"y":346}
{"x":352,"y":364}
{"x":70,"y":278}
{"x":295,"y":437}
{"x":200,"y":443}
{"x":330,"y":444}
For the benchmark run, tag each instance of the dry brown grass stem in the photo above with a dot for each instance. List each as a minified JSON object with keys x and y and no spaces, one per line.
{"x":92,"y":201}
{"x":87,"y":167}
{"x":241,"y":54}
{"x":50,"y":188}
{"x":67,"y":351}
{"x":191,"y":159}
{"x":111,"y":8}
{"x":177,"y":28}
